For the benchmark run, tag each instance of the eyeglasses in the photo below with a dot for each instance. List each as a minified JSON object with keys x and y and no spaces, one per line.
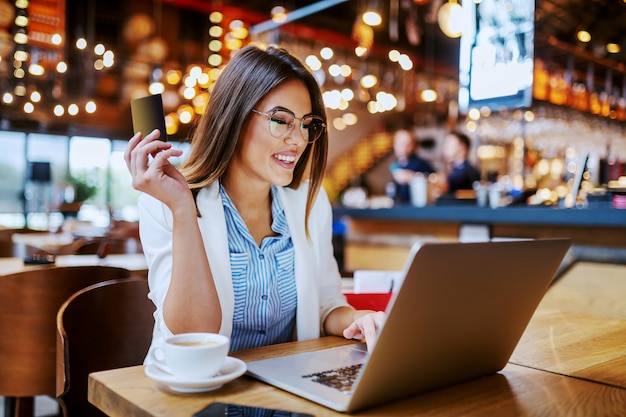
{"x":281,"y":123}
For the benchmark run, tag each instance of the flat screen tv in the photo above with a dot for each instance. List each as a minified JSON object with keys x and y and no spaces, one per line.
{"x":497,"y":55}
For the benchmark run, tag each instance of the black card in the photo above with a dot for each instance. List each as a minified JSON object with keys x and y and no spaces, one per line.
{"x":147,"y":114}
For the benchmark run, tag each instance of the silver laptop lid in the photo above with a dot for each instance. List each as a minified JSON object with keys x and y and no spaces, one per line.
{"x":459,"y":314}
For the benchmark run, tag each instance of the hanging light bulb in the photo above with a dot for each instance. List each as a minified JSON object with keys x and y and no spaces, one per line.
{"x":451,"y":18}
{"x":372,"y":18}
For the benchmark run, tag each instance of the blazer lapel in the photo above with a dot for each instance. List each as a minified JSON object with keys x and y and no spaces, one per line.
{"x":212,"y":225}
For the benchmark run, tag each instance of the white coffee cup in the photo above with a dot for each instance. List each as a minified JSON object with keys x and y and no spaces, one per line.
{"x":192,"y":356}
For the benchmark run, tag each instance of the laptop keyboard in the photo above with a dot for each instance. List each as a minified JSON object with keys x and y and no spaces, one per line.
{"x":340,"y":379}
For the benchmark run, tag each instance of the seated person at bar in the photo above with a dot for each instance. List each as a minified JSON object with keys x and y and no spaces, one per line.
{"x":407,"y":163}
{"x":239,"y":239}
{"x":460,"y":174}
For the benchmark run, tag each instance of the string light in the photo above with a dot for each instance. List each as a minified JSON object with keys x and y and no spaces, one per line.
{"x":72,"y":109}
{"x":369,"y":81}
{"x":613,"y":48}
{"x":59,"y":110}
{"x":21,"y":19}
{"x":583,"y":36}
{"x":90,"y":107}
{"x":326,"y":53}
{"x":99,"y":49}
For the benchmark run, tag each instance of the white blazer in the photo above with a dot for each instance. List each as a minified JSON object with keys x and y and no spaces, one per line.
{"x":318,"y":282}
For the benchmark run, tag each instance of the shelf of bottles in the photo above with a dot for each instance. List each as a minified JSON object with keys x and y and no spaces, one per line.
{"x":563,"y":88}
{"x":542,"y":147}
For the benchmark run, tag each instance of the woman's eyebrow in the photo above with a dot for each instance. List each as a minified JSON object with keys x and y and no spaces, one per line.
{"x":292,"y":113}
{"x":283,"y":109}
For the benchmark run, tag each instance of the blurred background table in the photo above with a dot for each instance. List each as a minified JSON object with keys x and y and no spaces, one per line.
{"x":134,"y":262}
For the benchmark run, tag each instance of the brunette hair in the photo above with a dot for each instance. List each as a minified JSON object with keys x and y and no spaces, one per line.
{"x":463,"y":139}
{"x":251,"y":75}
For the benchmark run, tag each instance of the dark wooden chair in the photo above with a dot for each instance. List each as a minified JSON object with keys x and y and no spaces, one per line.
{"x":104,"y":326}
{"x":29,"y":302}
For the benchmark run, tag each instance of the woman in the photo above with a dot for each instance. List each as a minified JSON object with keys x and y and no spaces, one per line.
{"x":239,"y":240}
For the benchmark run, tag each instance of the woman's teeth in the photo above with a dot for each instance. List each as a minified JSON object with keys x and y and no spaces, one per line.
{"x":285,"y":158}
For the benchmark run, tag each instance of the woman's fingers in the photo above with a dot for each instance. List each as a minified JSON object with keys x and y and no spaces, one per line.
{"x":132,"y":143}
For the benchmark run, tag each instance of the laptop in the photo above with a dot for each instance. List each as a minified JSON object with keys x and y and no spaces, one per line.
{"x":458,"y":315}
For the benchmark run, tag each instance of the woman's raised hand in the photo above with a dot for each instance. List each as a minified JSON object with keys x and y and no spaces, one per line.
{"x":157,"y":177}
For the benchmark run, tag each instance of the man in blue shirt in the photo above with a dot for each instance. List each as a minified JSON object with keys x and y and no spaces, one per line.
{"x":461,"y":173}
{"x":407,"y":163}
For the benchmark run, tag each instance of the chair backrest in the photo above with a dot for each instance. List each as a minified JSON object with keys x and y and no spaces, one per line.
{"x":104,"y":326}
{"x":29,"y":302}
{"x":6,"y":248}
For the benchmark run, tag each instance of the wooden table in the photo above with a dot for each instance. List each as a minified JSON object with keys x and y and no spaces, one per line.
{"x":11,"y":265}
{"x":49,"y":242}
{"x":579,"y":328}
{"x":134,"y":262}
{"x":570,"y":362}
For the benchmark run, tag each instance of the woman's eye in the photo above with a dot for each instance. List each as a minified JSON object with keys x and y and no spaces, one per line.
{"x":280,"y":121}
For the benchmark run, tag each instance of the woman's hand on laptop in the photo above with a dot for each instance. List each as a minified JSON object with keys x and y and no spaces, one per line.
{"x":365,"y":326}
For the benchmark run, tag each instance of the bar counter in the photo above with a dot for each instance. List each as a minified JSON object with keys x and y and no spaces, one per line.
{"x":519,"y":215}
{"x":376,"y":235}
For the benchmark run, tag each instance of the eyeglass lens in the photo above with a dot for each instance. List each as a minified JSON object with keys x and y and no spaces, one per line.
{"x":281,"y":123}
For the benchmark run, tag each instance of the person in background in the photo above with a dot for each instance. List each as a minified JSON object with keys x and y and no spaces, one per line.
{"x":406,"y":164}
{"x":239,"y":239}
{"x":460,"y":173}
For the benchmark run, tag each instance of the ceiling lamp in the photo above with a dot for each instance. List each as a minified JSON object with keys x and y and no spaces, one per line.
{"x":451,"y":19}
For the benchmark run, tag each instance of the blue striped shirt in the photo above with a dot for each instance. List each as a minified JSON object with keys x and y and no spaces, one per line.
{"x":263,"y":280}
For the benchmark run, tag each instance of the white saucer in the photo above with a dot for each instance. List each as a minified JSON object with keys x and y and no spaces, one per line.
{"x":232,"y":368}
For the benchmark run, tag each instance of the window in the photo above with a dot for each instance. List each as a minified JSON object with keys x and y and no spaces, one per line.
{"x":89,"y":166}
{"x":44,"y":198}
{"x":12,"y":172}
{"x":97,"y":163}
{"x":123,"y":199}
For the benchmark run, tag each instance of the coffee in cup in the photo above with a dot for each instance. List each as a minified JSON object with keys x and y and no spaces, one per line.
{"x":192,"y":356}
